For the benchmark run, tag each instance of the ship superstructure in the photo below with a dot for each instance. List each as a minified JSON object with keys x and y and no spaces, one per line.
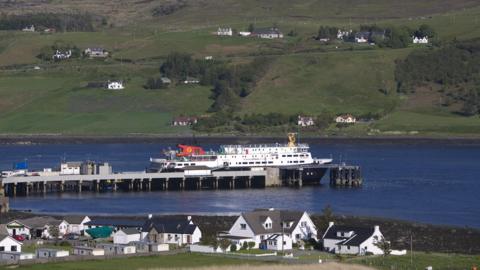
{"x":239,"y":156}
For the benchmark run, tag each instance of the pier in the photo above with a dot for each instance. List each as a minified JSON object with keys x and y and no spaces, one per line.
{"x":190,"y":179}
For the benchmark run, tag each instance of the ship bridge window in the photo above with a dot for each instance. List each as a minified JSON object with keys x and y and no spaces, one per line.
{"x":270,"y":162}
{"x":251,"y":162}
{"x":302,"y":161}
{"x":295,"y":155}
{"x":245,"y":162}
{"x":283,"y":156}
{"x":289,"y":155}
{"x":258,"y":162}
{"x":264,"y":162}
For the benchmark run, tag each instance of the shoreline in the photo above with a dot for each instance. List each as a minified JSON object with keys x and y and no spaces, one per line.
{"x":24,"y":139}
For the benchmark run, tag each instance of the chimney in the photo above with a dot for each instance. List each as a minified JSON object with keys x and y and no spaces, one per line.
{"x":150,"y":216}
{"x":330,"y":224}
{"x":376,"y":228}
{"x":189,"y":218}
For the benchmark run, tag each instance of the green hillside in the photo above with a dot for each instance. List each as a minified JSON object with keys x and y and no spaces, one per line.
{"x":304,"y":76}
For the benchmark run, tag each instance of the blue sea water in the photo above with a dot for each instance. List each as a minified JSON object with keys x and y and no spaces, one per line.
{"x":430,"y":183}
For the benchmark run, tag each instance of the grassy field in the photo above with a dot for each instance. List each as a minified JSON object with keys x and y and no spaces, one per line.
{"x":185,"y":260}
{"x":421,"y":261}
{"x":305,"y":77}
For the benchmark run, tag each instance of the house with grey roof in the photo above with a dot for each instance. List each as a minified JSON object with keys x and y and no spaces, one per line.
{"x":171,"y":230}
{"x":127,"y":235}
{"x":43,"y":227}
{"x":76,"y":224}
{"x":352,"y":240}
{"x":263,"y":225}
{"x":267,"y":33}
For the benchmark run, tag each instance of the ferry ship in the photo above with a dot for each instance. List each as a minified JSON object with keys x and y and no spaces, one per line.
{"x":238,"y":157}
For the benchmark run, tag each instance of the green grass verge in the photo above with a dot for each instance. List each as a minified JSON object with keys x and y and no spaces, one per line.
{"x":187,"y":260}
{"x":421,"y":261}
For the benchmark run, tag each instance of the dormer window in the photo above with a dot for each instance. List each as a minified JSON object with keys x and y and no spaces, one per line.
{"x":243,"y":226}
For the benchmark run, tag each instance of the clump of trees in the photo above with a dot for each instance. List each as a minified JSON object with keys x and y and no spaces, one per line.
{"x":155,"y":83}
{"x":168,"y":8}
{"x":327,"y":32}
{"x":230,"y":82}
{"x":255,"y":122}
{"x":455,"y":67}
{"x":47,"y":52}
{"x":60,"y":21}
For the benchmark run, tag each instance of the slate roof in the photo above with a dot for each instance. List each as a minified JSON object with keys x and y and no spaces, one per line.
{"x":267,"y":31}
{"x":257,"y":217}
{"x":170,"y":225}
{"x":360,"y":234}
{"x":116,"y":222}
{"x":74,"y":219}
{"x":39,"y":222}
{"x":130,"y":231}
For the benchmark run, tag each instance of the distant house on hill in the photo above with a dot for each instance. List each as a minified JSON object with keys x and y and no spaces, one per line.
{"x":62,"y":55}
{"x":352,"y":240}
{"x":346,"y":118}
{"x":305,"y":121}
{"x":362,"y":37}
{"x":96,"y":52}
{"x":244,"y":33}
{"x":191,"y":80}
{"x":49,"y":30}
{"x":267,"y":33}
{"x":224,"y":31}
{"x":184,"y":121}
{"x":29,"y":28}
{"x":115,"y":85}
{"x":420,"y":40}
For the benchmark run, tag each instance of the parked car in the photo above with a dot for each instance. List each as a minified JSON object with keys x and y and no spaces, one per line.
{"x":19,"y":238}
{"x":71,"y":236}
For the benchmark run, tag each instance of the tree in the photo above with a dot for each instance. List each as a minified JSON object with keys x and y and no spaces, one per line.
{"x":470,"y":106}
{"x":244,"y":246}
{"x":384,"y":245}
{"x":53,"y":231}
{"x":233,"y":248}
{"x":251,"y":27}
{"x":327,"y":216}
{"x":425,"y":31}
{"x":224,"y":244}
{"x":251,"y":245}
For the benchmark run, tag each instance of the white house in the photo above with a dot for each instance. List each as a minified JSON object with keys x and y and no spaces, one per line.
{"x":70,"y":168}
{"x":352,"y":240}
{"x":184,"y":121}
{"x":268,"y":33}
{"x":16,"y":227}
{"x":244,"y":33}
{"x":341,"y":34}
{"x":191,"y":80}
{"x":346,"y":118}
{"x":51,"y":253}
{"x":362,"y":37}
{"x":76,"y":224}
{"x":305,"y":121}
{"x":96,"y":52}
{"x":40,"y":227}
{"x":274,"y":242}
{"x":9,"y":244}
{"x":88,"y":251}
{"x":125,"y":236}
{"x":117,"y":249}
{"x":115,"y":85}
{"x":29,"y":28}
{"x":177,"y":231}
{"x":62,"y":55}
{"x":224,"y":31}
{"x":420,"y":40}
{"x":259,"y":225}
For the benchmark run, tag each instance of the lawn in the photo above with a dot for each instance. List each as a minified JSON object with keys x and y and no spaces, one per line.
{"x":185,"y":260}
{"x":340,"y":82}
{"x":421,"y":261}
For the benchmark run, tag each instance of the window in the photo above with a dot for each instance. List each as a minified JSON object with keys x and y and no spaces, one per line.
{"x":243,"y":226}
{"x":2,"y":248}
{"x":13,"y":248}
{"x":303,"y":224}
{"x":348,"y":247}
